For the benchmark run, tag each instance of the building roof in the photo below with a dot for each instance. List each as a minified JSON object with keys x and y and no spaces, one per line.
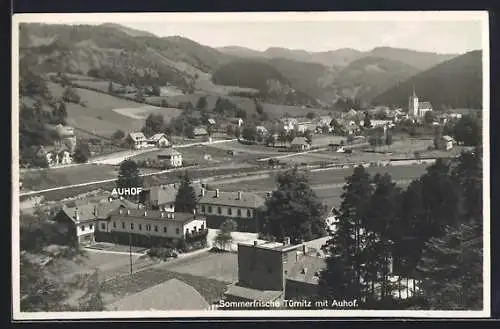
{"x":272,"y":245}
{"x":170,"y":295}
{"x":137,"y":136}
{"x":211,"y":121}
{"x":253,"y":294}
{"x":306,"y":269}
{"x":180,"y":217}
{"x":169,"y":152}
{"x":299,"y":141}
{"x":198,"y":131}
{"x":94,"y":211}
{"x":230,"y":198}
{"x":424,"y":105}
{"x":166,"y":194}
{"x":157,"y":137}
{"x":448,"y":138}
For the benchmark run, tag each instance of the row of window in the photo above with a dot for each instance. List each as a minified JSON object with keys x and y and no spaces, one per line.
{"x":229,"y":211}
{"x":83,"y":227}
{"x":147,"y":227}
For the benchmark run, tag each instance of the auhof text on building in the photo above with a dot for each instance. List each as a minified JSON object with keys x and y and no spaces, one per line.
{"x":126,"y":191}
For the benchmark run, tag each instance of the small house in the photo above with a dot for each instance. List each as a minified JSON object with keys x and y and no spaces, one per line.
{"x":159,"y":140}
{"x":445,"y":143}
{"x":137,"y":140}
{"x":261,"y":130}
{"x":171,"y":156}
{"x":200,"y":132}
{"x":300,"y":144}
{"x":304,"y":124}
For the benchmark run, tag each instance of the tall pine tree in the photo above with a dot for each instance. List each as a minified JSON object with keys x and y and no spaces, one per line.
{"x":185,"y":200}
{"x":345,"y":264}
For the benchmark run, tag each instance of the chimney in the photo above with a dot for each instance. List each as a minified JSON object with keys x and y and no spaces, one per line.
{"x":239,"y":195}
{"x":255,"y":243}
{"x":194,"y":211}
{"x":286,"y":241}
{"x":217,"y":193}
{"x":304,"y":249}
{"x":76,"y":215}
{"x":202,"y":191}
{"x":268,"y":194}
{"x":304,"y":270}
{"x":145,"y":213}
{"x":95,"y":211}
{"x":162,"y":214}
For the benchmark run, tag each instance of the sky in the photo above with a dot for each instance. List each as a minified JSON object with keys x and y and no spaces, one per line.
{"x":434,"y":36}
{"x":442,"y":32}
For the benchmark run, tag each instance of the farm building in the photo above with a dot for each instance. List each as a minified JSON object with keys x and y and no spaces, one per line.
{"x":300,"y":144}
{"x":304,"y":124}
{"x":171,"y":156}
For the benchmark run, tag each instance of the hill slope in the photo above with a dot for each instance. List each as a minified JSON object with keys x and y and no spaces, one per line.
{"x":340,"y":58}
{"x":125,"y":55}
{"x":455,"y":83}
{"x":370,"y":76}
{"x":272,"y":84}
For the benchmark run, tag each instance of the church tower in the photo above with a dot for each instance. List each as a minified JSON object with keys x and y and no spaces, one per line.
{"x":413,"y":104}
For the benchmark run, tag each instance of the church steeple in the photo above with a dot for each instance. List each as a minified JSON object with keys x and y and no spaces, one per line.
{"x":414,"y":94}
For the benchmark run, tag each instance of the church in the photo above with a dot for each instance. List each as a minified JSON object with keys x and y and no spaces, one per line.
{"x":416,"y":108}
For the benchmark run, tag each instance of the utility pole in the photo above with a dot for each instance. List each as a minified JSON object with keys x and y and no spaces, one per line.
{"x":130,"y":250}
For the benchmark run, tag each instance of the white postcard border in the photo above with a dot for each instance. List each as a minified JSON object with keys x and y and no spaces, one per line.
{"x":82,"y":18}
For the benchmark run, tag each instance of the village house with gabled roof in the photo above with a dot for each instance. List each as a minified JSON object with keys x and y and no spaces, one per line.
{"x":300,"y":144}
{"x":80,"y":222}
{"x":137,"y":140}
{"x":171,"y":156}
{"x":242,"y":207}
{"x":159,"y":140}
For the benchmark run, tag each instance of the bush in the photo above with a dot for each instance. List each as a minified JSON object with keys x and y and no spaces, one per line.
{"x":162,"y":253}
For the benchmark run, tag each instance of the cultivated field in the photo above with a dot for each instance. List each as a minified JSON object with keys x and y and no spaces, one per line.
{"x":98,"y":116}
{"x":334,"y":176}
{"x":141,"y":113}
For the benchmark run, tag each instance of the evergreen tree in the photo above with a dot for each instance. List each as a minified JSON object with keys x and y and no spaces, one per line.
{"x":202,"y":104}
{"x":60,"y":114}
{"x":185,"y":200}
{"x":82,"y":153}
{"x":468,"y":176}
{"x":128,"y":176}
{"x":367,"y":122}
{"x":293,"y":210}
{"x":154,"y":124}
{"x":451,"y":269}
{"x":346,"y":248}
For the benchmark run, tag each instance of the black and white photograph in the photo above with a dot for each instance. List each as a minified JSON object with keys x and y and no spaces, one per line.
{"x":312,"y":164}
